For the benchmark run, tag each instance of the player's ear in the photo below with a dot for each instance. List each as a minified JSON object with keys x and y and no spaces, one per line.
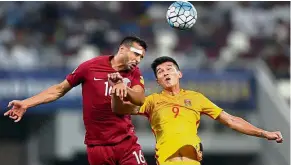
{"x":180,"y":74}
{"x":158,"y":82}
{"x":121,"y":47}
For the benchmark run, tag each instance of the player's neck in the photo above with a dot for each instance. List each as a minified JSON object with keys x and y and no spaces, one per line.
{"x":117,"y":63}
{"x":173,"y":91}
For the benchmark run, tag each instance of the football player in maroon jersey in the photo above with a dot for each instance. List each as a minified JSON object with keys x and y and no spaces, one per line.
{"x":110,"y":138}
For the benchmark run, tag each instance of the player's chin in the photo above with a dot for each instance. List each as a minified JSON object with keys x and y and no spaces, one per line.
{"x":128,"y":68}
{"x":167,"y":85}
{"x":131,"y":67}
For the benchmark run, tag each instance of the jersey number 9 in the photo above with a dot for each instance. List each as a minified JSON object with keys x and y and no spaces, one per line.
{"x":176,"y":111}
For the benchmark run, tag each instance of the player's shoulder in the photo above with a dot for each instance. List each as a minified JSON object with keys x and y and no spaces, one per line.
{"x":100,"y":59}
{"x":159,"y":96}
{"x":193,"y":93}
{"x":90,"y":61}
{"x":136,"y":70}
{"x":95,"y":61}
{"x":153,"y":96}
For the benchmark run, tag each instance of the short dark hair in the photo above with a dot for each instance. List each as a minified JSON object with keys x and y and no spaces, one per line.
{"x":131,"y":39}
{"x":161,"y":60}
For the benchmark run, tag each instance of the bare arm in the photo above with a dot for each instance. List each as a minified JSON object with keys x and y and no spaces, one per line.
{"x":51,"y":94}
{"x":123,"y":107}
{"x":239,"y":125}
{"x":245,"y":127}
{"x":136,"y":95}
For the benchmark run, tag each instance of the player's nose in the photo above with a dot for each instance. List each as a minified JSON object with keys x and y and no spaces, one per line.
{"x":166,"y":74}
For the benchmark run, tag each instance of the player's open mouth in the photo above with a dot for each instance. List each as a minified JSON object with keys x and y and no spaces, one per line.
{"x":168,"y":79}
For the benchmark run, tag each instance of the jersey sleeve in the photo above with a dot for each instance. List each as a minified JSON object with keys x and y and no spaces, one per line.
{"x":78,"y":75}
{"x":209,"y":108}
{"x":137,"y":79}
{"x":147,"y":107}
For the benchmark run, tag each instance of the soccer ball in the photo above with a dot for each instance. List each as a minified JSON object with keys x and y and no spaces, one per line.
{"x":181,"y":15}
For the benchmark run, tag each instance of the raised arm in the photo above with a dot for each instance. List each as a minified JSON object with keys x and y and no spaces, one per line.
{"x":235,"y":122}
{"x":53,"y":93}
{"x":123,"y":107}
{"x":245,"y":127}
{"x":134,"y":94}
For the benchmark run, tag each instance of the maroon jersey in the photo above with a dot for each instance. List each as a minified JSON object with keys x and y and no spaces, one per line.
{"x":101,"y":124}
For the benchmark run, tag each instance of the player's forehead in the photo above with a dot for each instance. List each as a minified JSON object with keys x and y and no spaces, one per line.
{"x":165,"y":65}
{"x":138,"y":48}
{"x":137,"y":45}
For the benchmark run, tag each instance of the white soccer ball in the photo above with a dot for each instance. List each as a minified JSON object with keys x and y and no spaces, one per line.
{"x":181,"y":15}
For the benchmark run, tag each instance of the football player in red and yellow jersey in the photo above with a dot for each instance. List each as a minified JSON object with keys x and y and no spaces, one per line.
{"x":174,"y":115}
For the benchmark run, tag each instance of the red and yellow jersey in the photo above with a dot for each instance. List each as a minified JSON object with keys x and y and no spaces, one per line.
{"x":175,"y":119}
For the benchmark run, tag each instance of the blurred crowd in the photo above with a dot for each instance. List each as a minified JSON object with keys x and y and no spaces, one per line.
{"x":63,"y":34}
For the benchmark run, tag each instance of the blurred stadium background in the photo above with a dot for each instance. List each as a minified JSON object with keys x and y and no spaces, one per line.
{"x":237,"y":54}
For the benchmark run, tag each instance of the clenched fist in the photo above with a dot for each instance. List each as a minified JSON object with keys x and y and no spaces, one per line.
{"x":274,"y":136}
